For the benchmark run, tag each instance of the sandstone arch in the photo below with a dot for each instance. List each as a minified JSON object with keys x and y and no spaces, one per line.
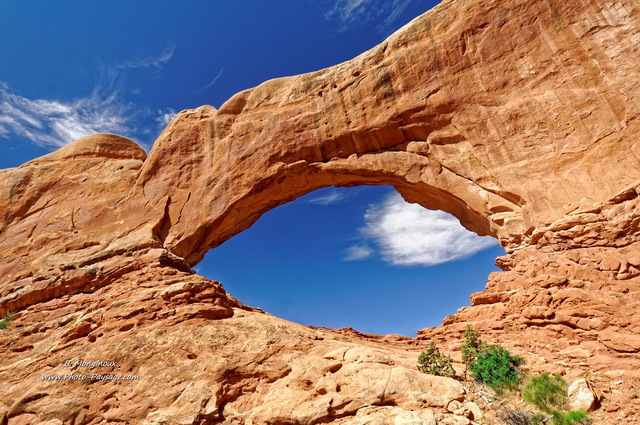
{"x":504,"y":135}
{"x":424,"y":117}
{"x":520,"y":118}
{"x":262,"y":182}
{"x":509,"y":134}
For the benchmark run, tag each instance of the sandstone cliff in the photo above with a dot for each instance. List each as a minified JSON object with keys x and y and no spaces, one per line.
{"x":519,"y":118}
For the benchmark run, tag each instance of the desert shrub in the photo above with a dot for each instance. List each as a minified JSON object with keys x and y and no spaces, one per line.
{"x":575,"y":417}
{"x":522,"y":417}
{"x":472,"y":345}
{"x":549,"y":394}
{"x":6,"y":320}
{"x":496,"y":367}
{"x":434,"y":362}
{"x":546,"y":392}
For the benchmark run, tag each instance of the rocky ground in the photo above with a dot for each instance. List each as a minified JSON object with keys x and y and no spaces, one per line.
{"x":202,"y":357}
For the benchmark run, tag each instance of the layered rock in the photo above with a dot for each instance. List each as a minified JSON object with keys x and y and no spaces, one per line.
{"x":507,"y":116}
{"x":519,"y":118}
{"x":190,"y":355}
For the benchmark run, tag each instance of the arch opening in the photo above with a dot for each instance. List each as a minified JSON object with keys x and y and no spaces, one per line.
{"x":331,"y":259}
{"x":222,"y":220}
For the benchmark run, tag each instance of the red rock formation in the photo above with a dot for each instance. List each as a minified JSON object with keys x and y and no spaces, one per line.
{"x":520,"y":118}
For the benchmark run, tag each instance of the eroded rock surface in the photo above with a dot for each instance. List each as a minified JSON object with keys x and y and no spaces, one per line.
{"x":200,"y":357}
{"x":520,"y":118}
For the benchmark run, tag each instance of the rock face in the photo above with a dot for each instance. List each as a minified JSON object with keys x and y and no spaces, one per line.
{"x":199,"y":359}
{"x":519,"y":118}
{"x":581,"y":396}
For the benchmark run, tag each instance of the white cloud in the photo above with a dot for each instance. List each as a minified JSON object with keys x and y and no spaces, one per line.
{"x":381,"y":12}
{"x":358,"y":252}
{"x":346,"y":10}
{"x":212,"y":82}
{"x":408,"y":234}
{"x":54,"y":123}
{"x":155,"y":61}
{"x":328,"y":199}
{"x":165,"y":117}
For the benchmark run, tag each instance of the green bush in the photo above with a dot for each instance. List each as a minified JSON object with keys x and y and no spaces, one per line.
{"x":496,"y":367}
{"x":472,"y":345}
{"x":549,"y":394}
{"x":546,"y":392}
{"x":575,"y":417}
{"x":433,"y":362}
{"x":6,"y":320}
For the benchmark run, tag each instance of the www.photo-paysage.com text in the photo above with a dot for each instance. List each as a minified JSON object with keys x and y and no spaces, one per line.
{"x":93,"y":376}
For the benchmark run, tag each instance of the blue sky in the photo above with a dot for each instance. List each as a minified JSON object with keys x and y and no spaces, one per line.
{"x":358,"y":257}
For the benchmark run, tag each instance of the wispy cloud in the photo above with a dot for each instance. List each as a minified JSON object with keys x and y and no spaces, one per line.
{"x":408,"y":234}
{"x":151,"y":61}
{"x":54,"y":123}
{"x":346,"y":9}
{"x":328,"y":199}
{"x":358,"y":252}
{"x":212,"y":82}
{"x":165,"y":117}
{"x":350,"y":12}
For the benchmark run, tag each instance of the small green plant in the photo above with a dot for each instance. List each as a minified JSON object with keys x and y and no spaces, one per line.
{"x":434,"y":362}
{"x":546,"y":392}
{"x":574,"y":417}
{"x":496,"y":367}
{"x":577,"y":415}
{"x":549,"y":394}
{"x":6,"y":320}
{"x":471,"y":347}
{"x":492,"y":365}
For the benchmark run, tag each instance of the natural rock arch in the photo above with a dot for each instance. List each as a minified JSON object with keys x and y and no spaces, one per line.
{"x":520,"y":118}
{"x":499,"y":132}
{"x":509,"y":134}
{"x":264,"y":183}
